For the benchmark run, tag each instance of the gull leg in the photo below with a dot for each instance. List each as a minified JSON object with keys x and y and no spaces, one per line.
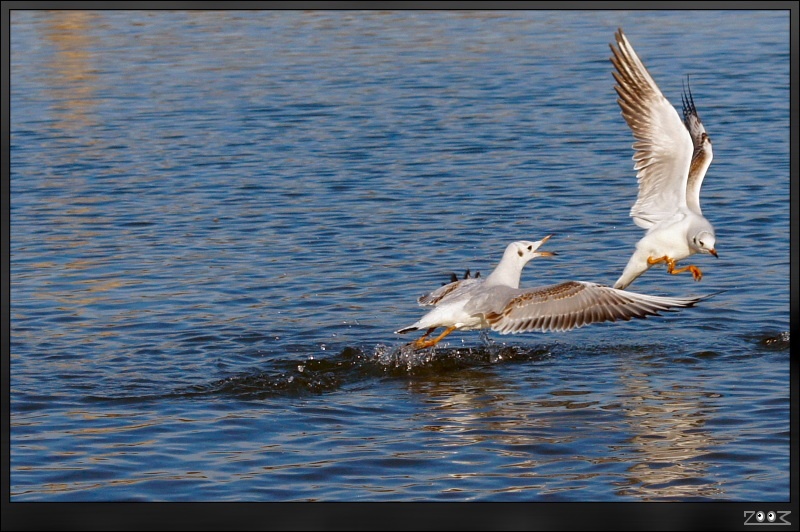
{"x":422,"y":343}
{"x":696,"y":273}
{"x":421,"y":340}
{"x":651,"y":260}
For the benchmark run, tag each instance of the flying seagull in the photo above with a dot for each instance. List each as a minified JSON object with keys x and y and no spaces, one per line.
{"x":672,"y":156}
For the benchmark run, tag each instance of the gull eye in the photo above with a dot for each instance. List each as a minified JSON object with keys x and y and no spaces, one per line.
{"x":530,"y":248}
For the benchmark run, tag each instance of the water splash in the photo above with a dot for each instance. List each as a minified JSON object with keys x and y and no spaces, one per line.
{"x":779,"y":341}
{"x":289,"y":377}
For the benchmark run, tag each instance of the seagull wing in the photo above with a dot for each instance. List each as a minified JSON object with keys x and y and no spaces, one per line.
{"x":572,"y":304}
{"x":663,"y":145}
{"x":449,"y":290}
{"x":701,"y":158}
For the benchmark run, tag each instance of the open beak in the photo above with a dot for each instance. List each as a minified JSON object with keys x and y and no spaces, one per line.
{"x":713,"y":252}
{"x":546,"y":253}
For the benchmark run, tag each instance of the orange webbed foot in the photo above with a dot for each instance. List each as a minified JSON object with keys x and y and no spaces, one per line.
{"x":696,"y":273}
{"x":422,"y":343}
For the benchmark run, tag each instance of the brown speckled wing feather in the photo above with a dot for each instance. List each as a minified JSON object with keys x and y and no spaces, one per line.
{"x":572,"y":304}
{"x":663,"y":147}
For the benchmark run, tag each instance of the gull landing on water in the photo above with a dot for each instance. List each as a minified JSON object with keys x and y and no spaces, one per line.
{"x":497,"y":302}
{"x":672,"y":156}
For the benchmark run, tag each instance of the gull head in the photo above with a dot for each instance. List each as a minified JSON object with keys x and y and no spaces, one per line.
{"x":515,"y":257}
{"x":523,"y":251}
{"x":704,"y":242}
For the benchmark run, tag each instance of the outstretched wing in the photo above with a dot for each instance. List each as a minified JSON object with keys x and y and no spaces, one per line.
{"x":663,"y":146}
{"x":701,"y":158}
{"x":572,"y":304}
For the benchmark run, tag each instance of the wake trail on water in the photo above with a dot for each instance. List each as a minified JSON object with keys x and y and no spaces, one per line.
{"x":354,"y":365}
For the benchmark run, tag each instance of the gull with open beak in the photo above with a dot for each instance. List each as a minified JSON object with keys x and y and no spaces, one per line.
{"x":498,"y":303}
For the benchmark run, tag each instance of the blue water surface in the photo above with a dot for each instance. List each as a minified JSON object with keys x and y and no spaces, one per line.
{"x":218,"y":219}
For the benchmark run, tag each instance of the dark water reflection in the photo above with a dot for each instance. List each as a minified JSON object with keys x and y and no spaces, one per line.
{"x":218,"y":219}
